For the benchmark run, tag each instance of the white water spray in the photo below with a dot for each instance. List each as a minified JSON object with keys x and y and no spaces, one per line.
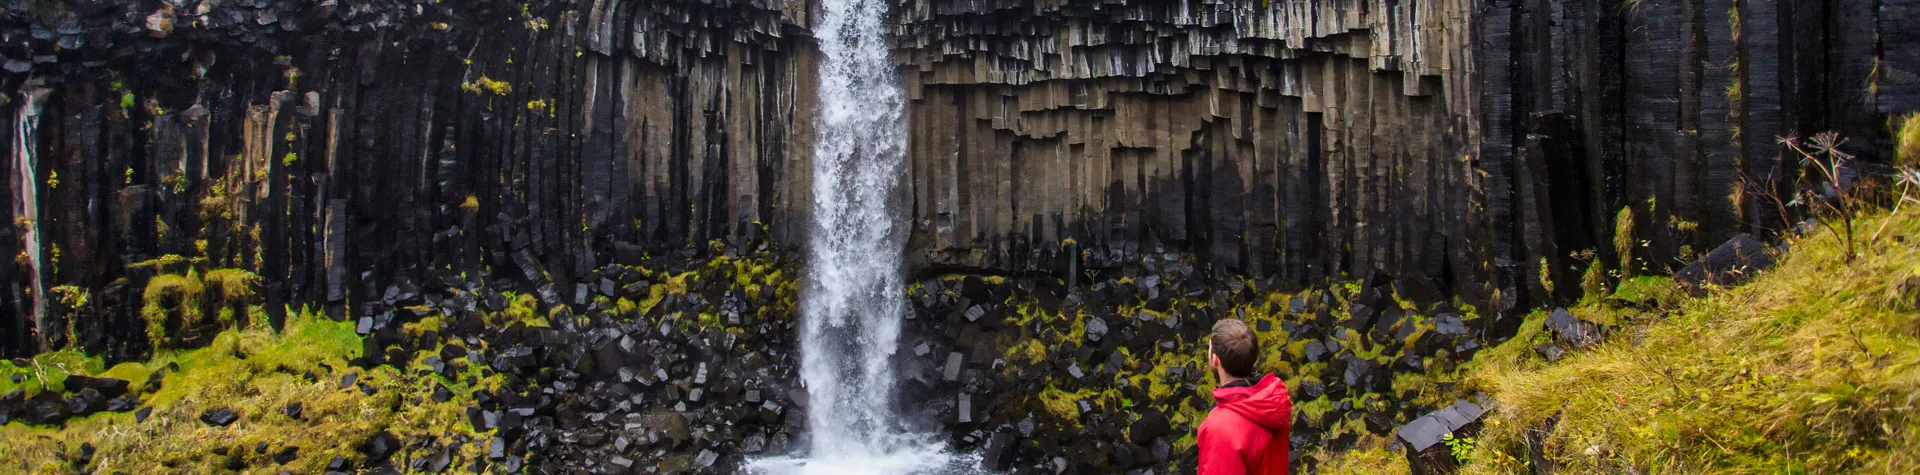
{"x":854,"y":296}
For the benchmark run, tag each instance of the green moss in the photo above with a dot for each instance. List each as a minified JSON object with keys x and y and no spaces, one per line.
{"x":1064,"y":406}
{"x":170,"y":303}
{"x":1368,"y":457}
{"x":256,"y":373}
{"x":46,"y":371}
{"x":1646,"y":290}
{"x":522,"y":308}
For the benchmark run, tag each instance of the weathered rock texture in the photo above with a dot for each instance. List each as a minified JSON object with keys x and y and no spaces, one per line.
{"x":340,"y":146}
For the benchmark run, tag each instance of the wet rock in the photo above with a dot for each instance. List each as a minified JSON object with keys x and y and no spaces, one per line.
{"x":951,"y":372}
{"x":999,"y":452}
{"x":1732,"y":263}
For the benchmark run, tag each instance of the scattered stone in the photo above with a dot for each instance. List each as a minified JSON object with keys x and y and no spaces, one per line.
{"x":220,"y":417}
{"x":1096,"y":329}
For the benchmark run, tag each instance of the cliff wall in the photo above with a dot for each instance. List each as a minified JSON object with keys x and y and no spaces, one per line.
{"x":349,"y":150}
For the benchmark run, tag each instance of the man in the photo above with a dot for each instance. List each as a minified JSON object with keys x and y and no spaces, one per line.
{"x":1246,"y":432}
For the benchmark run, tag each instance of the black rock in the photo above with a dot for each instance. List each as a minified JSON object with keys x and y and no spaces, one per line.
{"x":142,"y":414}
{"x":1315,"y":350}
{"x":999,"y":452}
{"x":123,"y":403}
{"x":1733,"y":263}
{"x":294,"y":410}
{"x":1162,"y":451}
{"x":1151,"y":425}
{"x":286,"y":455}
{"x":441,"y":394}
{"x":107,"y":387}
{"x":46,"y":408}
{"x":1426,"y":454}
{"x":220,"y":417}
{"x":87,"y":401}
{"x":1551,"y":351}
{"x":1573,"y":330}
{"x":379,"y":446}
{"x":441,"y":459}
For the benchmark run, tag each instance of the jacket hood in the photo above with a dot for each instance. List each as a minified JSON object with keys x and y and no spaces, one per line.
{"x":1265,"y":403}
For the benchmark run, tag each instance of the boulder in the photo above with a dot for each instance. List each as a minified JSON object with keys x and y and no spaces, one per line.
{"x":998,"y":455}
{"x":1733,"y":263}
{"x":1426,"y":454}
{"x":1572,"y":330}
{"x":1151,"y":425}
{"x":379,"y":446}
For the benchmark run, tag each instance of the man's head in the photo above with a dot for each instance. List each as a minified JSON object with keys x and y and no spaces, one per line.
{"x":1230,"y":351}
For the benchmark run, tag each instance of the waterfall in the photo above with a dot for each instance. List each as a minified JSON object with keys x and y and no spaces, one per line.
{"x":853,"y":300}
{"x":854,"y":297}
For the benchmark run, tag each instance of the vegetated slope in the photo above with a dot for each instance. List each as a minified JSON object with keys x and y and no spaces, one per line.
{"x":1809,"y":368}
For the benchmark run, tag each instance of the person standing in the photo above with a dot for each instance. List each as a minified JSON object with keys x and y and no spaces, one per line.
{"x":1247,"y":430}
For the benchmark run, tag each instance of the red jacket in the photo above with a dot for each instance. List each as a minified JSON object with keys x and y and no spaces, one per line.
{"x":1246,"y":433}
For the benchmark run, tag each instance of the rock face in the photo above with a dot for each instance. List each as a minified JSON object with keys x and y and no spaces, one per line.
{"x":341,"y":148}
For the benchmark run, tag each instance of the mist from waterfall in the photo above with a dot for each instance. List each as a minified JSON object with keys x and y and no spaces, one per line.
{"x":854,"y":297}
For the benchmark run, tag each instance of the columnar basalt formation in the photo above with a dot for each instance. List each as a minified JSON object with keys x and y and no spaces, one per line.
{"x":343,"y":147}
{"x":1480,"y":144}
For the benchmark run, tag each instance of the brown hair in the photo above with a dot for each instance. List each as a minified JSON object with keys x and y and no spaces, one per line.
{"x":1233,"y":343}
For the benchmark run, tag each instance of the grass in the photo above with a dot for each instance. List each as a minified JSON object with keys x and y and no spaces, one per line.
{"x":1907,"y":134}
{"x":256,"y":373}
{"x":1368,"y":457}
{"x":1813,"y":367}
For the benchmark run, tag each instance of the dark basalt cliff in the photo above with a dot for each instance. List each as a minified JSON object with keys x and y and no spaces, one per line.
{"x":340,"y":147}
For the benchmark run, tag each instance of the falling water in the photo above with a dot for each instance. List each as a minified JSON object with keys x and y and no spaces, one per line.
{"x":853,"y":301}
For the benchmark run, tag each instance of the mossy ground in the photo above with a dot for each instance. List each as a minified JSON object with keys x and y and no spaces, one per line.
{"x":1813,"y":367}
{"x":256,"y":373}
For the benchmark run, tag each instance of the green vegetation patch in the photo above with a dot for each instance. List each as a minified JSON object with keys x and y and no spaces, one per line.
{"x":1811,"y":368}
{"x":256,"y":373}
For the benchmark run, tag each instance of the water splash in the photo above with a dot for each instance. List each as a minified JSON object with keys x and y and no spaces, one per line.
{"x":854,"y":297}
